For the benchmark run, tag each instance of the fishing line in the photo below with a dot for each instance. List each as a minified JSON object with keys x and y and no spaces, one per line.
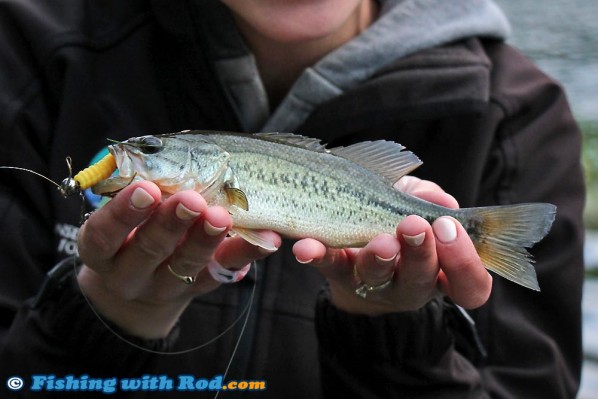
{"x":69,"y":190}
{"x":242,"y":332}
{"x":246,"y":312}
{"x":34,"y":172}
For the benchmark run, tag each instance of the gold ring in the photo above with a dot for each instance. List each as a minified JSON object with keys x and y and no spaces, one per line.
{"x":363,"y":289}
{"x":184,"y":279}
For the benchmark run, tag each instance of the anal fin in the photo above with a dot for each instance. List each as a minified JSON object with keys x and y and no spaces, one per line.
{"x":256,"y":238}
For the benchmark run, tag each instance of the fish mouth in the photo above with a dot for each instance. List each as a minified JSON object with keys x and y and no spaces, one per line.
{"x":112,"y":185}
{"x":126,"y":174}
{"x":123,"y":160}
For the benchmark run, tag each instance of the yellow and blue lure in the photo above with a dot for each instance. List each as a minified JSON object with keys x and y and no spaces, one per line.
{"x":89,"y":176}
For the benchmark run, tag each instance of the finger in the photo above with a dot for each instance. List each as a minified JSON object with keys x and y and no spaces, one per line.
{"x":426,"y":190}
{"x":313,"y":252}
{"x":409,"y":184}
{"x":202,"y":240}
{"x":309,"y":250}
{"x":155,"y":240}
{"x":375,"y":264}
{"x":235,"y":252}
{"x":334,"y":263}
{"x":464,"y":278}
{"x":418,"y":267}
{"x":232,"y":260}
{"x":197,"y":250}
{"x":437,"y":197}
{"x":102,"y":235}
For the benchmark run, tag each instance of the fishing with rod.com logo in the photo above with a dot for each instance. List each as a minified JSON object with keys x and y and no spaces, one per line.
{"x":147,"y":383}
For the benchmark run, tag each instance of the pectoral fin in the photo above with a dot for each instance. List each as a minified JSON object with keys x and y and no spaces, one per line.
{"x":236,"y":197}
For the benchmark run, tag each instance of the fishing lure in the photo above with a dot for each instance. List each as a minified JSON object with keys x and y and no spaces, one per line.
{"x":86,"y":178}
{"x":89,"y":176}
{"x":94,"y":174}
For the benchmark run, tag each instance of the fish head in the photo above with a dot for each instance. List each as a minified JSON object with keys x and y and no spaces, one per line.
{"x":172,"y":162}
{"x":142,"y":156}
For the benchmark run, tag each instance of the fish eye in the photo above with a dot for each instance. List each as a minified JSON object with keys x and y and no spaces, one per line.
{"x":149,"y":144}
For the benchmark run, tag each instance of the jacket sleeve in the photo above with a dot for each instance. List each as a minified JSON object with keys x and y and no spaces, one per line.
{"x":59,"y":334}
{"x":534,"y":338}
{"x":410,"y":354}
{"x":531,"y":340}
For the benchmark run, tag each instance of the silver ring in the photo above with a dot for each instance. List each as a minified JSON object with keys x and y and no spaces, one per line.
{"x":363,"y":288}
{"x":184,"y":279}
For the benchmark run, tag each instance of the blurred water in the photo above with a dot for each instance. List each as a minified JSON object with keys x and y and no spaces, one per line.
{"x":589,"y":378}
{"x":561,"y":36}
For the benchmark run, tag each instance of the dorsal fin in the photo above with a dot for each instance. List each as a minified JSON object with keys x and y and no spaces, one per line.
{"x":296,"y":140}
{"x":385,"y":158}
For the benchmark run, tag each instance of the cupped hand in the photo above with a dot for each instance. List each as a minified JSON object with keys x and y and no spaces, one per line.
{"x":421,"y":262}
{"x":128,"y":245}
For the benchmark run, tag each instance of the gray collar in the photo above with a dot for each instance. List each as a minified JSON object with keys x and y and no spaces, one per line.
{"x":405,"y":27}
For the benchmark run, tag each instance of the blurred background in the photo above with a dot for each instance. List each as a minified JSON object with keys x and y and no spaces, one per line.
{"x":561,"y":36}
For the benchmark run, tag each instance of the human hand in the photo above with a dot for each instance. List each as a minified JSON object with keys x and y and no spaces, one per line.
{"x":422,"y":261}
{"x":127,"y":245}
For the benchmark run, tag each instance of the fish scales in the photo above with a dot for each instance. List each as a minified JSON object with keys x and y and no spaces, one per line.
{"x":341,"y":196}
{"x":302,"y":193}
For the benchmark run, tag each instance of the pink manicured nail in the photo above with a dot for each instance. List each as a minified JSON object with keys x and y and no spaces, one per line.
{"x":266,"y":251}
{"x":385,"y":261}
{"x":211,"y":230}
{"x":141,"y":199}
{"x":415,"y":241}
{"x":243,"y":272}
{"x":445,"y":230}
{"x":304,"y":262}
{"x":185,"y":213}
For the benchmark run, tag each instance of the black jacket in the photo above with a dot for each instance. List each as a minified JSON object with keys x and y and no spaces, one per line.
{"x":490,"y":128}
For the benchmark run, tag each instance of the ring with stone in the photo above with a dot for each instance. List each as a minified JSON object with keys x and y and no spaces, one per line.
{"x":363,"y":289}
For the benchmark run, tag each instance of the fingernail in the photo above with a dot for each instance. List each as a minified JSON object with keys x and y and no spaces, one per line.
{"x":243,"y":272}
{"x":266,"y":251}
{"x":445,"y":230}
{"x":415,"y":241}
{"x":185,"y":213}
{"x":211,"y":230}
{"x":141,"y":199}
{"x":385,"y":261}
{"x":304,"y":262}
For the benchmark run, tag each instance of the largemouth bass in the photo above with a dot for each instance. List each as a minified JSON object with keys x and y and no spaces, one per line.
{"x":340,"y":196}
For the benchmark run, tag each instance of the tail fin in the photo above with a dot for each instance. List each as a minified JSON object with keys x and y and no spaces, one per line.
{"x":501,"y":234}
